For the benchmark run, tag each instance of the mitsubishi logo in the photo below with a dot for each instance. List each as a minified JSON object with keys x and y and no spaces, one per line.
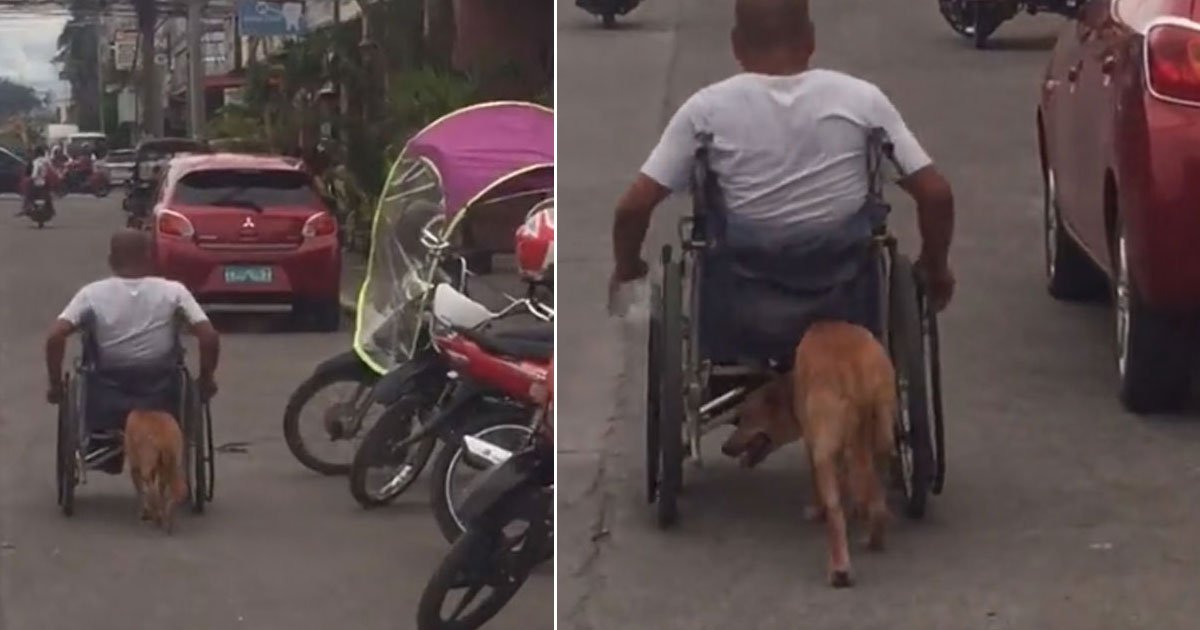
{"x":248,"y":224}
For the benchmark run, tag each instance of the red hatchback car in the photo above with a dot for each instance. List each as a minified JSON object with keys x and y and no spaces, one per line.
{"x":1119,"y":135}
{"x":239,"y":229}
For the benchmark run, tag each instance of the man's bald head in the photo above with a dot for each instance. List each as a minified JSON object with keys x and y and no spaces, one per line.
{"x":765,"y":27}
{"x":130,"y":252}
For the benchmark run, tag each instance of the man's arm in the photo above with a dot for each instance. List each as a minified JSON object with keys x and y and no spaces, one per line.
{"x":209,"y":343}
{"x":668,"y":168}
{"x":935,"y":214}
{"x":935,"y":202}
{"x":56,"y":349}
{"x":207,"y":339}
{"x":631,"y":224}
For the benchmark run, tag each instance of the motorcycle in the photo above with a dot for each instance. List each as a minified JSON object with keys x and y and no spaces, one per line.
{"x":979,"y":19}
{"x":485,"y":364}
{"x":39,"y":206}
{"x":463,"y":191}
{"x":510,"y":529}
{"x":80,"y":176}
{"x":479,"y":396}
{"x":608,"y":10}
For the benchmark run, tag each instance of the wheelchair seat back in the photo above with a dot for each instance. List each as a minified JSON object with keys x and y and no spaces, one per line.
{"x":759,"y":288}
{"x":112,"y":391}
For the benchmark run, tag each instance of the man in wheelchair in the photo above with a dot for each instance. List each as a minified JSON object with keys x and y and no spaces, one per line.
{"x":787,"y":147}
{"x":132,"y":352}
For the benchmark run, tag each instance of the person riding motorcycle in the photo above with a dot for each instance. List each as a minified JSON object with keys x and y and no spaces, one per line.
{"x":40,"y":173}
{"x":787,"y":145}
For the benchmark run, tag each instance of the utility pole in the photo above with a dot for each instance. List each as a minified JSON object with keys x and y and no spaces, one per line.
{"x":195,"y":44}
{"x":101,"y":41}
{"x":152,"y":91}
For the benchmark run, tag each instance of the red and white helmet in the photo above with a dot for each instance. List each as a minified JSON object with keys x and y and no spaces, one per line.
{"x":535,"y":243}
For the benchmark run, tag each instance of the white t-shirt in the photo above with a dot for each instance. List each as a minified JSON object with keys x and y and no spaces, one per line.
{"x":785,"y":149}
{"x":134,"y":319}
{"x":41,"y":168}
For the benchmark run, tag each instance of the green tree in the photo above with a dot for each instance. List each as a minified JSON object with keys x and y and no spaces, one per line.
{"x":78,"y":52}
{"x":16,"y":99}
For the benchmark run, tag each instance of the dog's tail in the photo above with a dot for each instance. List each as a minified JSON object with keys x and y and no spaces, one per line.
{"x":169,"y":462}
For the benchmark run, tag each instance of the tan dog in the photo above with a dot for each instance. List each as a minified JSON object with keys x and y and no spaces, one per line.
{"x":154,"y":450}
{"x":841,"y":399}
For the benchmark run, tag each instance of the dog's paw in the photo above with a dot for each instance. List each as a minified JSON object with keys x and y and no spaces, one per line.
{"x":840,"y":579}
{"x":814,"y":513}
{"x":875,"y":542}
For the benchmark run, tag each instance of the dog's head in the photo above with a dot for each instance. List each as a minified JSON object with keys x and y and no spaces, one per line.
{"x":767,"y":423}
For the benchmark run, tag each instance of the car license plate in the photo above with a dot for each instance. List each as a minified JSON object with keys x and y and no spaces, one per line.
{"x":248,"y":275}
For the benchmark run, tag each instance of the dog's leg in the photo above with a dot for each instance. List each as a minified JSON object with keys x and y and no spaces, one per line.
{"x":136,"y":475}
{"x":825,"y":465}
{"x":868,"y":493}
{"x":814,"y":512}
{"x":168,"y":500}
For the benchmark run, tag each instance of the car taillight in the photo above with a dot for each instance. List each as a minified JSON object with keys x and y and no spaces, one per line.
{"x":320,"y":224}
{"x":172,"y":223}
{"x":1173,"y":62}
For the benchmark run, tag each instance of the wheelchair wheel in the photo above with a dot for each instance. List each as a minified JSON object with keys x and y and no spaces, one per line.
{"x":914,"y":449}
{"x":670,"y":395}
{"x":66,"y":458}
{"x":199,"y":464}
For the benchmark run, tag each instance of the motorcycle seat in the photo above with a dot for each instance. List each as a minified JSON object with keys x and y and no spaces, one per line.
{"x":533,"y":341}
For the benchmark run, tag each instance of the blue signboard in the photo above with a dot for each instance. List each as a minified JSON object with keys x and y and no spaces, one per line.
{"x":271,"y":19}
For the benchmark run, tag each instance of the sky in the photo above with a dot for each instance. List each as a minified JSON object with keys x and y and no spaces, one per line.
{"x":27,"y":44}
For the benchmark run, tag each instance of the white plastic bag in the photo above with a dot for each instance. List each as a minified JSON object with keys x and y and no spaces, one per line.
{"x":631,"y":300}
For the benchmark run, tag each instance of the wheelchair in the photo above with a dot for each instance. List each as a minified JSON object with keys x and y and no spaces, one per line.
{"x":691,"y":393}
{"x":90,"y":379}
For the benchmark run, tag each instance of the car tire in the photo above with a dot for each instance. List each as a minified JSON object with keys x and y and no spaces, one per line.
{"x":1153,"y":348}
{"x":1070,"y":274}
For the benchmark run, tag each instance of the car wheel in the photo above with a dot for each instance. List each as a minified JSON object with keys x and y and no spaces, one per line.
{"x":1070,"y":274}
{"x":1152,"y":348}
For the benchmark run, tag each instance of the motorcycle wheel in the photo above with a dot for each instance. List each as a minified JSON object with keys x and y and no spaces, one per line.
{"x":355,"y":374}
{"x":511,"y":425}
{"x":102,"y":191}
{"x":485,"y":557}
{"x":378,"y":450}
{"x":956,"y":15}
{"x":609,"y":20}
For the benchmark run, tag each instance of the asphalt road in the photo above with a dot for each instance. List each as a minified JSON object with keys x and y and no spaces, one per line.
{"x":280,"y":549}
{"x":1060,"y":511}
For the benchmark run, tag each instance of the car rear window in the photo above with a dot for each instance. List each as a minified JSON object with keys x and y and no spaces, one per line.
{"x":262,"y":188}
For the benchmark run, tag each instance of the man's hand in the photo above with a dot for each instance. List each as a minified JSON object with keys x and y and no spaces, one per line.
{"x":939,"y":284}
{"x":207,"y":386}
{"x":622,"y":275}
{"x":55,"y":392}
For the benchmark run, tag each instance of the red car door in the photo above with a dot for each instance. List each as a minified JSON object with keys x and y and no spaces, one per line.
{"x":1058,"y":104}
{"x":1102,"y":35}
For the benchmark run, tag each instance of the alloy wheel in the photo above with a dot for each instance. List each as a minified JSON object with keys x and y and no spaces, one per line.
{"x":1122,"y":303}
{"x":1050,"y":213}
